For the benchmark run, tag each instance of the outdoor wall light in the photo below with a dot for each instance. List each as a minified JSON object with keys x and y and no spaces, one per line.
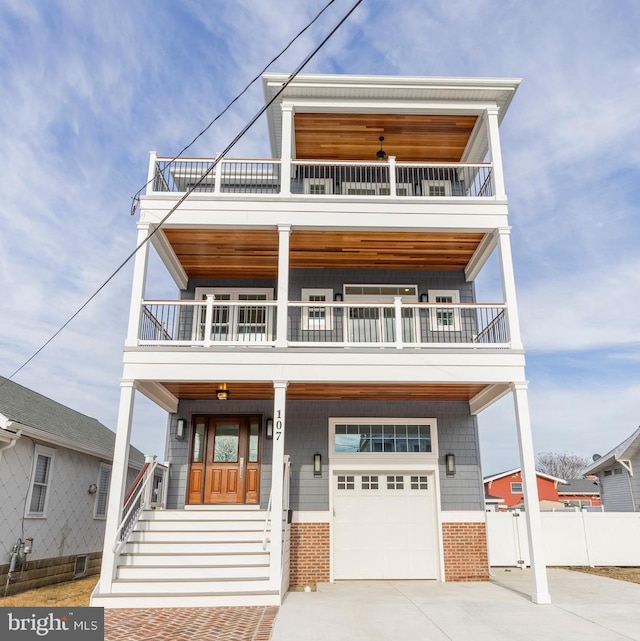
{"x":222,"y":393}
{"x":424,"y":298}
{"x":337,"y":297}
{"x":268,"y":430}
{"x":93,"y":488}
{"x":450,"y":464}
{"x":317,"y":465}
{"x":180,"y":429}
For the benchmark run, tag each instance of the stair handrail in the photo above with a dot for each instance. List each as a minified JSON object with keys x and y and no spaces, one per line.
{"x":286,"y":467}
{"x":134,"y":504}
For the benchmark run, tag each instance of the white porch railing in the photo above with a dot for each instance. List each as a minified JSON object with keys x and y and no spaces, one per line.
{"x":397,"y":325}
{"x":149,"y":490}
{"x":323,"y":178}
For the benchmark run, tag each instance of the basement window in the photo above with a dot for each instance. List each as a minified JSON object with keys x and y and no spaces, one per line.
{"x":80,"y":566}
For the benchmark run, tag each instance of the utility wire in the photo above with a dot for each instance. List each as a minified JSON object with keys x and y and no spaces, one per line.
{"x":244,"y":130}
{"x":136,"y":198}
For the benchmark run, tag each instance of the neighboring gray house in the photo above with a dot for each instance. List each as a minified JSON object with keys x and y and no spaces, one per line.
{"x":619,"y":486}
{"x":55,"y":468}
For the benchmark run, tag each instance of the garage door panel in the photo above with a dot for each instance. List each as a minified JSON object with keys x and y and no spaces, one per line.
{"x":385,"y":526}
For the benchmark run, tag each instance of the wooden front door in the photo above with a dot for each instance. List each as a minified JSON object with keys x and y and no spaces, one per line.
{"x":225,"y":463}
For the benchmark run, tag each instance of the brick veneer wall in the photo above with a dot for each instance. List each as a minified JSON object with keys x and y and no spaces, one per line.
{"x":465,"y":552}
{"x":47,"y":572}
{"x":310,"y":554}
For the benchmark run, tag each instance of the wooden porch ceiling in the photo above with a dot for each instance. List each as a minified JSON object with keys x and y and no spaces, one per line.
{"x":330,"y":391}
{"x":234,"y":253}
{"x":408,"y":137}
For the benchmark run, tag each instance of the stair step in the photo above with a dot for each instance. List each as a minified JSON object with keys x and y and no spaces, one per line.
{"x":180,"y":525}
{"x":204,"y":515}
{"x":186,"y":537}
{"x":166,"y":573}
{"x":216,"y":547}
{"x":186,"y":600}
{"x":184,"y":558}
{"x":194,"y":586}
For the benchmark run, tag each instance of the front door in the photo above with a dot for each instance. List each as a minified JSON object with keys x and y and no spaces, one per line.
{"x":225,"y":466}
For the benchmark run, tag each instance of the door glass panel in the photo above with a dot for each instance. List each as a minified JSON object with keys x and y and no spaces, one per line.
{"x":226,"y":443}
{"x":253,"y":443}
{"x":198,"y":443}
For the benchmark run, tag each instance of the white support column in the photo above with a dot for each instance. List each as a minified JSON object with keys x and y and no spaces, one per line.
{"x":140,"y":262}
{"x":392,"y":177}
{"x":496,"y":153}
{"x":509,"y":286}
{"x":151,"y":174}
{"x":286,"y":152}
{"x":118,"y":485}
{"x":277,"y":484}
{"x":284,"y":233}
{"x":530,"y":486}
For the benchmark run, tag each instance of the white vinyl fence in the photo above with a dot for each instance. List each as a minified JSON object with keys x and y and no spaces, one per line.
{"x":570,"y":538}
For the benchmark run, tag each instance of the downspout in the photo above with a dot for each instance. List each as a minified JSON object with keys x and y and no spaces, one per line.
{"x":16,"y":436}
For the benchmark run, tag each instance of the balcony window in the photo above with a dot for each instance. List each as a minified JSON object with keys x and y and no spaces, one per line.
{"x":444,"y":319}
{"x":318,"y":186}
{"x":436,"y":188}
{"x":317,"y":318}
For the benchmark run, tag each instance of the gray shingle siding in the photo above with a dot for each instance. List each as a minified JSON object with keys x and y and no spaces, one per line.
{"x":307,"y":433}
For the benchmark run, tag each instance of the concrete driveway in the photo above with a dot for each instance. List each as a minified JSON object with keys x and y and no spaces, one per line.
{"x":584,"y":608}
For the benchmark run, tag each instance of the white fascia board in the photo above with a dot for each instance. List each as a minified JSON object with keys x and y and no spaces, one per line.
{"x":555,"y":479}
{"x":480,"y":257}
{"x":487,"y":397}
{"x":205,"y":365}
{"x":376,"y":106}
{"x":159,"y":395}
{"x":614,"y":455}
{"x":170,"y":260}
{"x":52,"y":439}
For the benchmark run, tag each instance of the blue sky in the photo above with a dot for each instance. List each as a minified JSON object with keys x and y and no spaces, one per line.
{"x":88,"y":89}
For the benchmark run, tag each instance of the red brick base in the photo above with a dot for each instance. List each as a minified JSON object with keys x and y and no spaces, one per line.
{"x":310,"y":552}
{"x":465,"y":552}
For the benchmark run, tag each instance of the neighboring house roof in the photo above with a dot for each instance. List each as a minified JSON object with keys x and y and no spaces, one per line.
{"x":580,"y":486}
{"x":626,"y":450}
{"x":489,"y":498}
{"x":41,"y":417}
{"x":488,"y":479}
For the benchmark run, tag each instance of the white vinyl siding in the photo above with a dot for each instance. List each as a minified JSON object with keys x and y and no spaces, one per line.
{"x":102,"y":495}
{"x":40,"y":482}
{"x":616,"y":492}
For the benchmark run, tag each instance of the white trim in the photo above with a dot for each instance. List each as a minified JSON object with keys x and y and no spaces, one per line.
{"x":303,"y":516}
{"x":313,"y":324}
{"x":40,"y":450}
{"x":101,"y":489}
{"x":463,"y":516}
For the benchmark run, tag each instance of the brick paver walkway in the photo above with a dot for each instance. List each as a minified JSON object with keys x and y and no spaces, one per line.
{"x":189,"y":624}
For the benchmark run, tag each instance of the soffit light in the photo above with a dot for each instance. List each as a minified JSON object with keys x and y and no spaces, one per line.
{"x":222,"y":393}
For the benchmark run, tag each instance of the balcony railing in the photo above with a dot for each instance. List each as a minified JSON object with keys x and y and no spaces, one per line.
{"x":317,"y":178}
{"x":399,"y":325}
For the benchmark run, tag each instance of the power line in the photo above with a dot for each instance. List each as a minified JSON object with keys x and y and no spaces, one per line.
{"x":136,"y":197}
{"x":244,"y":130}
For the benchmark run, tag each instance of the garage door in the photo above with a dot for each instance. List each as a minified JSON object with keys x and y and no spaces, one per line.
{"x":384,"y":526}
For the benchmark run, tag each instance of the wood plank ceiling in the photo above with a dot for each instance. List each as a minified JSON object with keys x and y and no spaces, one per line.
{"x":408,"y":137}
{"x":224,"y":253}
{"x":329,"y":391}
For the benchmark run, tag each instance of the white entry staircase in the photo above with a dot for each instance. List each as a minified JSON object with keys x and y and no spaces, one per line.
{"x":205,"y":557}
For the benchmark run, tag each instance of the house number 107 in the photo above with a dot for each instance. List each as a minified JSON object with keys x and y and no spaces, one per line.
{"x":279,"y":425}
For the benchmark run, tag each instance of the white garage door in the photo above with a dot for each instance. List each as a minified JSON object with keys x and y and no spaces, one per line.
{"x":384,"y":526}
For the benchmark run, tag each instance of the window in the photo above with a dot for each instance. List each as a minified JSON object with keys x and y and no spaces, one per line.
{"x":387,"y":437}
{"x":40,"y":481}
{"x":395,"y":482}
{"x":251,"y":322}
{"x":318,"y":186}
{"x":346,"y":482}
{"x":369,"y":482}
{"x":444,"y":319}
{"x":80,"y":566}
{"x":608,"y":472}
{"x":317,"y":318}
{"x":516,"y":488}
{"x":102,"y":495}
{"x":419,"y":483}
{"x":375,"y":189}
{"x":436,"y":188}
{"x":377,"y":324}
